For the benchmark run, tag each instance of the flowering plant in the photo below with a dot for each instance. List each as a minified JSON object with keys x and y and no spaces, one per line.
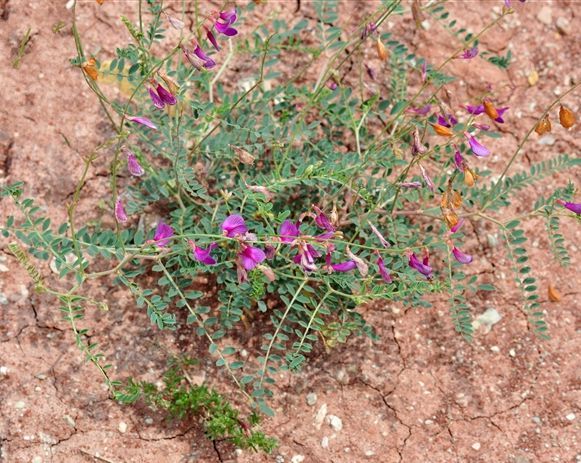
{"x":296,"y":203}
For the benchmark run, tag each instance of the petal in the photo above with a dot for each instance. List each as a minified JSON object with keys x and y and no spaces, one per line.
{"x":459,"y":161}
{"x":155,"y":99}
{"x":383,"y":271}
{"x":120,"y":214}
{"x":460,"y":256}
{"x":166,"y":96}
{"x":229,"y":16}
{"x":377,"y":233}
{"x":346,"y":266}
{"x":251,"y":257}
{"x":234,"y":225}
{"x":457,"y":227}
{"x":573,"y":207}
{"x":288,"y":231}
{"x":212,"y":38}
{"x":421,"y":267}
{"x":476,"y":110}
{"x":225,"y":29}
{"x":143,"y":121}
{"x":478,"y":149}
{"x":133,"y":165}
{"x":162,"y":235}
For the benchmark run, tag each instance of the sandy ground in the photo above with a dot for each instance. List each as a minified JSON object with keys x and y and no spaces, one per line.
{"x":420,"y":394}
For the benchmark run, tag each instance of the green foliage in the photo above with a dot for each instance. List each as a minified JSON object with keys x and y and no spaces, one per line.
{"x":185,"y":401}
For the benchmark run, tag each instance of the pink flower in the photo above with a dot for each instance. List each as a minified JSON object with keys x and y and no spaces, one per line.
{"x":212,"y":39}
{"x":289,"y":231}
{"x":459,"y":161}
{"x":163,"y":234}
{"x":343,"y":267}
{"x":322,"y":220}
{"x":478,"y":149}
{"x":457,"y":227}
{"x":224,"y":23}
{"x":460,"y":256}
{"x":422,"y":111}
{"x":469,"y":53}
{"x":427,"y":179}
{"x":234,"y":225}
{"x":165,"y":95}
{"x":155,"y":98}
{"x":133,"y":165}
{"x":120,"y":214}
{"x":250,"y":257}
{"x":573,"y":207}
{"x":203,"y":256}
{"x":143,"y":121}
{"x":208,"y":62}
{"x":421,"y":266}
{"x":383,"y":271}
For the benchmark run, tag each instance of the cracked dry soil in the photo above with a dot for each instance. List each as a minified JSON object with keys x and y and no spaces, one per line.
{"x":420,"y":394}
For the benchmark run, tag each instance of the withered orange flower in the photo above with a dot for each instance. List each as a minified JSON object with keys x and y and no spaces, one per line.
{"x":566,"y":117}
{"x":554,"y":295}
{"x":450,"y":217}
{"x":470,"y":177}
{"x":451,"y":200}
{"x":90,"y":68}
{"x":543,"y":126}
{"x":381,"y":50}
{"x":442,"y":130}
{"x":490,"y":110}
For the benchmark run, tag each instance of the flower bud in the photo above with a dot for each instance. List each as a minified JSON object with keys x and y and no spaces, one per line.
{"x":381,"y":50}
{"x":442,"y":130}
{"x":566,"y":117}
{"x":543,"y":126}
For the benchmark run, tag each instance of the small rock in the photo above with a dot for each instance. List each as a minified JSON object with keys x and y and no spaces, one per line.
{"x":547,"y":140}
{"x":487,"y":320}
{"x":320,"y":416}
{"x":545,"y":15}
{"x":297,"y":459}
{"x":149,"y":421}
{"x":325,"y":442}
{"x":47,"y":438}
{"x":428,"y":422}
{"x":3,"y":299}
{"x":570,"y":416}
{"x":495,"y":349}
{"x":311,"y":399}
{"x":122,"y":427}
{"x":476,"y":445}
{"x":335,"y":422}
{"x":492,"y":240}
{"x":512,"y":353}
{"x":3,"y":268}
{"x":238,"y":452}
{"x":19,"y":405}
{"x":537,"y":420}
{"x":369,"y":453}
{"x":37,"y":459}
{"x":563,"y":25}
{"x":279,"y":459}
{"x":4,"y":371}
{"x":70,"y":421}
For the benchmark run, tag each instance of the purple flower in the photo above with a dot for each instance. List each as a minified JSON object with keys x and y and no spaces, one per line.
{"x":143,"y":121}
{"x":212,"y":38}
{"x":288,"y":231}
{"x":162,"y":235}
{"x":332,"y":85}
{"x":447,"y":120}
{"x":166,"y":96}
{"x":420,"y":111}
{"x":500,"y":112}
{"x":203,"y":255}
{"x":421,"y":266}
{"x":250,"y":257}
{"x":459,"y":161}
{"x":368,"y":30}
{"x":228,"y":17}
{"x":306,"y":257}
{"x":377,"y":233}
{"x":233,"y":226}
{"x":322,"y":220}
{"x":427,"y":179}
{"x":346,"y":266}
{"x":573,"y":207}
{"x":475,"y":110}
{"x":155,"y":98}
{"x":208,"y":62}
{"x":457,"y":227}
{"x":483,"y":127}
{"x":508,"y":2}
{"x":383,"y":271}
{"x":133,"y":165}
{"x":478,"y":149}
{"x":120,"y":214}
{"x":460,"y":256}
{"x":469,"y":53}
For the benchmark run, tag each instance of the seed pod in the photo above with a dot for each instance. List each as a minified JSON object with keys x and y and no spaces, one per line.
{"x":554,"y":295}
{"x":566,"y":117}
{"x":381,"y":50}
{"x":90,"y":69}
{"x":543,"y":126}
{"x":442,"y":130}
{"x":490,"y":110}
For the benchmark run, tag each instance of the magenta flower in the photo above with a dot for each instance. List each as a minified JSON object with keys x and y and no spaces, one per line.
{"x":208,"y":62}
{"x":120,"y":214}
{"x":343,"y":267}
{"x":377,"y":233}
{"x":289,"y":231}
{"x":483,"y":127}
{"x":163,"y":234}
{"x":477,"y":149}
{"x":155,"y":98}
{"x":447,"y":120}
{"x":573,"y":207}
{"x":508,"y":2}
{"x":368,"y":30}
{"x":143,"y":121}
{"x":460,"y":256}
{"x":322,"y":220}
{"x":417,"y":146}
{"x":203,"y":256}
{"x":457,"y":227}
{"x":332,"y":85}
{"x":224,"y":23}
{"x":212,"y":38}
{"x":234,"y":225}
{"x":166,"y":96}
{"x":250,"y":257}
{"x":370,"y":72}
{"x":306,"y":257}
{"x":469,"y":53}
{"x":133,"y":165}
{"x":475,"y":110}
{"x":500,"y":112}
{"x":459,"y":161}
{"x":421,"y":266}
{"x":383,"y":271}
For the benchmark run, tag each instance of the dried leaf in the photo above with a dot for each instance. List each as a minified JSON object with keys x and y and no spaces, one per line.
{"x":543,"y":126}
{"x":554,"y":295}
{"x":90,"y":68}
{"x":381,"y":50}
{"x":566,"y":117}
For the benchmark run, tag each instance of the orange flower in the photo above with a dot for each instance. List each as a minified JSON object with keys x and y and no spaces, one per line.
{"x":490,"y":110}
{"x":381,"y":50}
{"x":442,"y":130}
{"x":566,"y":117}
{"x":470,"y":177}
{"x":90,"y":69}
{"x":543,"y":126}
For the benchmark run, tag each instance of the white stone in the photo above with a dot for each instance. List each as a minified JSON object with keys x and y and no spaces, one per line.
{"x":570,"y":416}
{"x":19,"y":405}
{"x":3,"y":268}
{"x":297,"y":459}
{"x":122,"y":427}
{"x":545,"y":15}
{"x":70,"y":421}
{"x":495,"y":349}
{"x":487,"y":320}
{"x":512,"y":353}
{"x":547,"y":140}
{"x":4,"y":371}
{"x":37,"y":459}
{"x":311,"y":399}
{"x":335,"y":422}
{"x":148,"y":421}
{"x":369,"y":453}
{"x":563,"y":25}
{"x":320,"y":416}
{"x":325,"y":442}
{"x":476,"y":445}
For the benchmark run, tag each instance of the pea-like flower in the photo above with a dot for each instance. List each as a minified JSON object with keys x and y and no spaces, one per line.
{"x":143,"y":121}
{"x":385,"y":275}
{"x":461,"y":257}
{"x":573,"y":207}
{"x":162,"y":235}
{"x":420,"y":111}
{"x":421,"y":266}
{"x":133,"y":165}
{"x":477,"y":149}
{"x":224,"y":22}
{"x":459,"y":161}
{"x":427,"y":179}
{"x":447,"y":120}
{"x":212,"y":38}
{"x":202,"y":255}
{"x":233,"y":226}
{"x":120,"y":214}
{"x":469,"y":53}
{"x":344,"y":267}
{"x":381,"y":238}
{"x":250,"y":256}
{"x":208,"y":62}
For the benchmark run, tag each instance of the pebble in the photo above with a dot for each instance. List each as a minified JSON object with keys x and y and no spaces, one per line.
{"x":563,"y":25}
{"x":70,"y":421}
{"x":320,"y":416}
{"x":369,"y":453}
{"x":537,"y":420}
{"x":122,"y":427}
{"x":512,"y":353}
{"x":4,"y":371}
{"x":37,"y":459}
{"x":19,"y":405}
{"x":487,"y":320}
{"x":3,"y":299}
{"x":325,"y":442}
{"x":335,"y":422}
{"x":3,"y":268}
{"x":297,"y":459}
{"x":476,"y":445}
{"x":279,"y":459}
{"x":547,"y":140}
{"x":545,"y":15}
{"x":570,"y":416}
{"x":311,"y":399}
{"x":148,"y":421}
{"x":495,"y":349}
